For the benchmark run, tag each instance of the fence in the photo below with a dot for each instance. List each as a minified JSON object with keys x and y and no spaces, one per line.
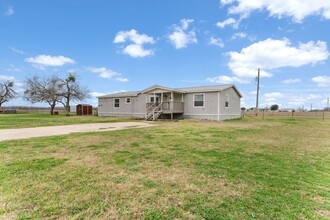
{"x":39,"y":110}
{"x":321,"y":115}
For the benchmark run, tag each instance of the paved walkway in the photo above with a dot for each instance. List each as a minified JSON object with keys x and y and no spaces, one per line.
{"x":23,"y":133}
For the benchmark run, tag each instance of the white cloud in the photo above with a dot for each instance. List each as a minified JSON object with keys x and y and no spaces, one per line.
{"x":96,"y":94}
{"x":217,"y":42}
{"x":290,"y":81}
{"x":238,"y":35}
{"x":6,"y":78}
{"x":271,"y":54}
{"x":296,"y":9}
{"x":9,"y":11}
{"x":228,"y":22}
{"x":120,"y":79}
{"x":136,"y":46}
{"x":19,"y":84}
{"x":103,"y":72}
{"x":134,"y":36}
{"x":227,"y":80}
{"x":137,"y":50}
{"x":47,"y":60}
{"x":322,"y":81}
{"x":181,"y":37}
{"x":271,"y":98}
{"x":17,"y":50}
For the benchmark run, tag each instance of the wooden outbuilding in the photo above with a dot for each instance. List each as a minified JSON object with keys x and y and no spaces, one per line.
{"x":84,"y":109}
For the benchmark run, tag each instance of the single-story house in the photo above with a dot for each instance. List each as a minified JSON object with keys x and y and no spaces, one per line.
{"x":218,"y":102}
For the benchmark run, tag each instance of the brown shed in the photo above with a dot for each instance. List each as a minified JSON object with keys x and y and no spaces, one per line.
{"x":84,"y":109}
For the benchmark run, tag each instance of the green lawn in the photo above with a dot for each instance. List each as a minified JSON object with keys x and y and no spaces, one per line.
{"x":250,"y":169}
{"x":38,"y":120}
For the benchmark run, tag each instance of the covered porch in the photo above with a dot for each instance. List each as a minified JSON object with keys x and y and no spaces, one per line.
{"x":163,"y":102}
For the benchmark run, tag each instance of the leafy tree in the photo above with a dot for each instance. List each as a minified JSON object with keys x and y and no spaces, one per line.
{"x":274,"y":107}
{"x":72,"y":91}
{"x":43,"y":90}
{"x":7,"y":92}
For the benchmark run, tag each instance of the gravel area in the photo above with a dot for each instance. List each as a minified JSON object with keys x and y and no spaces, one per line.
{"x":23,"y":133}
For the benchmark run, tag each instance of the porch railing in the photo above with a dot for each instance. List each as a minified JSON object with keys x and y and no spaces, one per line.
{"x":168,"y":106}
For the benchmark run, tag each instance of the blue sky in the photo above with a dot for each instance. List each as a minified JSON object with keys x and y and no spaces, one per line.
{"x":123,"y":45}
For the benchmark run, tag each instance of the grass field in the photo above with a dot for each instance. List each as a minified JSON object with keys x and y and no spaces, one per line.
{"x":240,"y":169}
{"x":39,"y":120}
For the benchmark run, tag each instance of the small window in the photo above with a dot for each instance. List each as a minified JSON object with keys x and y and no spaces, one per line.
{"x":199,"y":100}
{"x":227,"y":101}
{"x":116,"y":103}
{"x":152,"y":99}
{"x":128,"y":100}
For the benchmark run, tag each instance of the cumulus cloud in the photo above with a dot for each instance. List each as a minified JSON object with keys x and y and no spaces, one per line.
{"x":228,"y":22}
{"x":298,"y":10}
{"x":271,"y":54}
{"x":180,"y":37}
{"x":106,"y":73}
{"x":103,"y":72}
{"x":47,"y":60}
{"x":322,"y":81}
{"x":137,"y":50}
{"x":216,"y":41}
{"x":121,"y":79}
{"x":136,"y":41}
{"x":291,"y":81}
{"x":9,"y":11}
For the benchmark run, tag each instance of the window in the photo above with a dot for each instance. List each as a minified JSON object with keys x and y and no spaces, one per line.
{"x":116,"y":105}
{"x":199,"y":100}
{"x":152,"y":99}
{"x":227,"y":101}
{"x":128,"y":100}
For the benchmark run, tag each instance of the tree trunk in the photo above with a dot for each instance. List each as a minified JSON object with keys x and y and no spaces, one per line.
{"x":52,"y":106}
{"x":67,"y":107}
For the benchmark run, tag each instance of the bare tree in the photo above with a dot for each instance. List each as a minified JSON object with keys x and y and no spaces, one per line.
{"x":72,"y":91}
{"x":44,"y":90}
{"x":6,"y":92}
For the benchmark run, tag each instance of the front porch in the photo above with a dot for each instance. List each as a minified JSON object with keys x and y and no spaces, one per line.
{"x":162,"y":102}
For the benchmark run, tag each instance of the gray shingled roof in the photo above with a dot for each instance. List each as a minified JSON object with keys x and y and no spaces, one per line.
{"x":120,"y":94}
{"x":206,"y":88}
{"x":194,"y":89}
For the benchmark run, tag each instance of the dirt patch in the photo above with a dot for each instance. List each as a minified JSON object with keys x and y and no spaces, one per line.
{"x":23,"y":133}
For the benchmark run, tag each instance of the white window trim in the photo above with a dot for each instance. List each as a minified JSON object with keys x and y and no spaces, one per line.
{"x":130,"y":100}
{"x":114,"y":103}
{"x":203,"y":100}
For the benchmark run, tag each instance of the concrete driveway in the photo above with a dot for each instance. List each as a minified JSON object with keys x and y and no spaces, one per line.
{"x":23,"y":133}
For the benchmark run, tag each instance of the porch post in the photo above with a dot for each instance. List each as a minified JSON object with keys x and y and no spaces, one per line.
{"x":172,"y":97}
{"x":161,"y":97}
{"x":154,"y":97}
{"x":181,"y":97}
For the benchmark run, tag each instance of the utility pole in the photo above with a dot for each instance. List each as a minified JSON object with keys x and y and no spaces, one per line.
{"x":257,"y":100}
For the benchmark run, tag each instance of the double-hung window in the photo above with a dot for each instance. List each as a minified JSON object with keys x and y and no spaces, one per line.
{"x":199,"y":100}
{"x":116,"y":103}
